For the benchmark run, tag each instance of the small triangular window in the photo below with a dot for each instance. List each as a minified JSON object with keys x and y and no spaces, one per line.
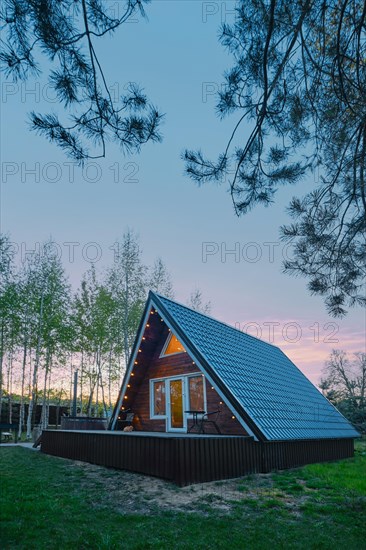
{"x":172,"y":346}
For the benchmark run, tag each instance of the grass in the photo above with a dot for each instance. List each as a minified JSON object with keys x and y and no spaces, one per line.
{"x":47,"y":502}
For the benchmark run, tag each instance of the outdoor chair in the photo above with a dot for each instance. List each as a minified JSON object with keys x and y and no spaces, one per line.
{"x":127,"y":420}
{"x":211,"y":418}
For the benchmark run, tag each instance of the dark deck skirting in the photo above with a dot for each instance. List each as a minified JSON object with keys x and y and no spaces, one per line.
{"x":190,"y":459}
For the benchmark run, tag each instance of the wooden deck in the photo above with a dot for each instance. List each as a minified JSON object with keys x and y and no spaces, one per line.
{"x":186,"y":459}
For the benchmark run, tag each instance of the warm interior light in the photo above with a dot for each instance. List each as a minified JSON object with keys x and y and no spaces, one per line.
{"x":173,"y":345}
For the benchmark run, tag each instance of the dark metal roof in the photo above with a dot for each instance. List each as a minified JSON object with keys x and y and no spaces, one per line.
{"x":271,"y":391}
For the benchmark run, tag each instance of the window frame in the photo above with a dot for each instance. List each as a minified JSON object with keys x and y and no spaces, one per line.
{"x":188,"y":396}
{"x":154,"y":416}
{"x":167,"y":342}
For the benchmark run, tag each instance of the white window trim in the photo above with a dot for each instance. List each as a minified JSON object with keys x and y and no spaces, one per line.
{"x":169,"y":337}
{"x":152,"y":415}
{"x":204,"y":392}
{"x":166,"y":379}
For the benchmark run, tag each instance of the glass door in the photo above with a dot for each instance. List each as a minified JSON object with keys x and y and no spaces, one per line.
{"x":176,"y":416}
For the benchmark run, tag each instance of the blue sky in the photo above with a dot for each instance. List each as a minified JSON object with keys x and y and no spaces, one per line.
{"x":176,"y":56}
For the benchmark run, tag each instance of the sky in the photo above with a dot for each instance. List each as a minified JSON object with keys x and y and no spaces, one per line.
{"x":236,"y":262}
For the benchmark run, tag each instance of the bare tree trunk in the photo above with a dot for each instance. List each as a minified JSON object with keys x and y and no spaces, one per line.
{"x":21,"y":410}
{"x":96,"y":384}
{"x":1,"y":364}
{"x":10,"y":386}
{"x":35,"y":370}
{"x":90,"y":400}
{"x":44,"y":416}
{"x":30,"y":374}
{"x":48,"y":396}
{"x":99,"y":365}
{"x":81,"y":379}
{"x":125,"y":332}
{"x":97,"y":396}
{"x":71,"y":382}
{"x":110,"y":379}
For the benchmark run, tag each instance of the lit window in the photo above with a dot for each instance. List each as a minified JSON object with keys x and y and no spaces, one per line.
{"x":196,"y":396}
{"x":172,"y":346}
{"x":158,"y":398}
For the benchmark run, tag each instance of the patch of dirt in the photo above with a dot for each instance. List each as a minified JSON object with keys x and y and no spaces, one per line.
{"x":135,"y":493}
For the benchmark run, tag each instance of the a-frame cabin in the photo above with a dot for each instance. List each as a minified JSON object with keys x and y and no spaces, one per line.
{"x":185,"y":361}
{"x":204,"y":401}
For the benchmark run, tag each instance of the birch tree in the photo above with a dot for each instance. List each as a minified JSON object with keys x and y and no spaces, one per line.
{"x":26,"y":318}
{"x":7,"y":303}
{"x":126,"y":281}
{"x":50,"y":303}
{"x":197,"y":302}
{"x":160,"y":280}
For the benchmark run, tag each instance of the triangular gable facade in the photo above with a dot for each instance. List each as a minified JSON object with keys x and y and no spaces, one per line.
{"x":260,"y":392}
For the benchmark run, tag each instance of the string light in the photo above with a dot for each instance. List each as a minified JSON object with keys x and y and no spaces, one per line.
{"x":128,"y":385}
{"x":143,"y":338}
{"x":147,"y":325}
{"x":140,"y":350}
{"x":126,"y":397}
{"x":132,"y":374}
{"x":136,"y":363}
{"x":233,"y":417}
{"x":212,"y":387}
{"x":221,"y":403}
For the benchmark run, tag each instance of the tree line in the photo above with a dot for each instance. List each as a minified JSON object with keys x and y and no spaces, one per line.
{"x":344,"y":384}
{"x":47,"y":330}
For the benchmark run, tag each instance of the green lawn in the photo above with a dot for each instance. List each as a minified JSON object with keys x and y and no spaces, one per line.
{"x":47,"y":502}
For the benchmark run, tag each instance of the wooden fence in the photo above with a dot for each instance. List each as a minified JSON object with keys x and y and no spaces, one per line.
{"x":189,"y":459}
